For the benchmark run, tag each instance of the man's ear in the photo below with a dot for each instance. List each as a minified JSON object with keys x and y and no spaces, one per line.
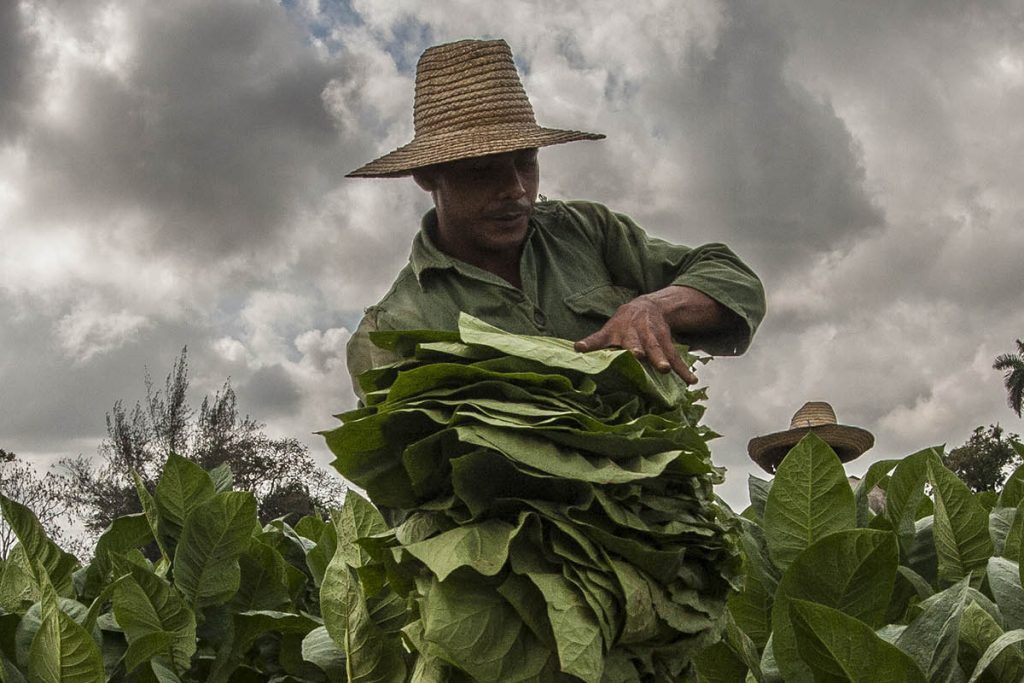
{"x":425,"y":179}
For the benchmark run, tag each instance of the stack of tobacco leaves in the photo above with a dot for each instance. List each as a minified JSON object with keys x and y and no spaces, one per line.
{"x":552,"y":516}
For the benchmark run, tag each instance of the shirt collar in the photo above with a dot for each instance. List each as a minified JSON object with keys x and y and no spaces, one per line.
{"x":427,"y":256}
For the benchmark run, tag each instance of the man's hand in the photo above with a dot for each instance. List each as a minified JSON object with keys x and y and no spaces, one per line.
{"x":644,"y":327}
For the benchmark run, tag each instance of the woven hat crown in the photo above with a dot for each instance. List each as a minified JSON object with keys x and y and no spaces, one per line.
{"x":469,"y":102}
{"x":469,"y":84}
{"x":813,"y":414}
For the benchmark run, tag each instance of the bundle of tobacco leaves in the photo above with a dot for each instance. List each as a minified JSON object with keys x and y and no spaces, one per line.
{"x":552,"y":516}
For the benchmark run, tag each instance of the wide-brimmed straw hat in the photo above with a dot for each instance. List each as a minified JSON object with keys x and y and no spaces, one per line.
{"x":469,"y":102}
{"x":818,"y":417}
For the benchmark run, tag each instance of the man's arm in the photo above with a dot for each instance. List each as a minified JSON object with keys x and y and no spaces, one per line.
{"x":645,"y":326}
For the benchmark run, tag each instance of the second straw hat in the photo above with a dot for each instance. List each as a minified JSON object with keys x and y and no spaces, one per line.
{"x":814,"y":416}
{"x":469,"y":102}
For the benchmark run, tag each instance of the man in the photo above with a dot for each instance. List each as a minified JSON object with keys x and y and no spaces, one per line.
{"x":568,"y":269}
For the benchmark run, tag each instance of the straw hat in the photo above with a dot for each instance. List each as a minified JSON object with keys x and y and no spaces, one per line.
{"x":469,"y":102}
{"x":818,"y":417}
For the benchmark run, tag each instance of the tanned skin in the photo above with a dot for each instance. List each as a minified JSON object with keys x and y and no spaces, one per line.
{"x":483,"y":209}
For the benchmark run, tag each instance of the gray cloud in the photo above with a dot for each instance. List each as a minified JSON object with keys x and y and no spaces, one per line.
{"x":171,"y":173}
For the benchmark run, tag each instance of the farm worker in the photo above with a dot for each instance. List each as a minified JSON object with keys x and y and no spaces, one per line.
{"x":570,"y":269}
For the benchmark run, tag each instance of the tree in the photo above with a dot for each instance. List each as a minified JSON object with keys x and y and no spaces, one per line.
{"x":1012,"y":364}
{"x":986,"y":459}
{"x":47,"y":496}
{"x":279,"y":472}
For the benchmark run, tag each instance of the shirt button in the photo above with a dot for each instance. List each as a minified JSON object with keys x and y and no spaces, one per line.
{"x":539,"y":318}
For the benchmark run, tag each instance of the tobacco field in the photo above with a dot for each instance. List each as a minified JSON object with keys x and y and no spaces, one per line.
{"x":532,"y":514}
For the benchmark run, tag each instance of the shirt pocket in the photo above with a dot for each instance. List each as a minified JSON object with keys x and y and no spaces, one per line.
{"x":601,"y":301}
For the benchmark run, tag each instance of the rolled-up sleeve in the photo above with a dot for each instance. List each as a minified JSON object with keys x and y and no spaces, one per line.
{"x":644,"y":263}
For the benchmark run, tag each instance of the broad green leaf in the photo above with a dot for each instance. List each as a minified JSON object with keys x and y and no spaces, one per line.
{"x":575,"y":627}
{"x":875,"y":474}
{"x":358,"y":518}
{"x":319,"y":557}
{"x":123,"y":534}
{"x":319,"y":648}
{"x":45,"y":555}
{"x":263,"y":584}
{"x":215,"y":533}
{"x":1012,"y":494}
{"x":222,"y":477}
{"x":183,"y":486}
{"x":1004,"y":580}
{"x":1014,"y":541}
{"x":752,"y":607}
{"x":482,"y":546}
{"x":1000,"y":521}
{"x":473,"y":627}
{"x":719,"y":664}
{"x":838,"y":647}
{"x":29,"y":624}
{"x":978,"y":630}
{"x":905,"y":494}
{"x":371,"y":656}
{"x":852,"y":571}
{"x":152,"y":513}
{"x":18,"y":587}
{"x":997,"y":648}
{"x":962,"y":539}
{"x":62,"y":651}
{"x":155,"y":620}
{"x":932,"y":639}
{"x":758,"y":490}
{"x":809,"y":499}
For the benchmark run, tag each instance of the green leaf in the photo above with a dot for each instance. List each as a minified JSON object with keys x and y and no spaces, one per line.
{"x":62,"y":651}
{"x":45,"y":555}
{"x":215,"y":533}
{"x":932,"y":639}
{"x":994,"y":650}
{"x":18,"y":587}
{"x":758,"y":490}
{"x":183,"y":486}
{"x":321,"y":650}
{"x":474,"y":628}
{"x":371,"y":655}
{"x":263,"y":584}
{"x":123,"y":534}
{"x":810,"y":498}
{"x":222,"y":477}
{"x":155,"y":620}
{"x":962,"y":539}
{"x":1014,"y":541}
{"x":838,"y":647}
{"x":1000,"y":522}
{"x":875,"y":474}
{"x":852,"y":571}
{"x":483,"y":546}
{"x":1004,"y":580}
{"x":978,"y":630}
{"x":357,"y":519}
{"x":1012,"y":494}
{"x":149,"y":509}
{"x":905,"y":494}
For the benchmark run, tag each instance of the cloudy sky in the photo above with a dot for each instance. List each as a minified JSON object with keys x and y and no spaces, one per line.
{"x":171,"y":173}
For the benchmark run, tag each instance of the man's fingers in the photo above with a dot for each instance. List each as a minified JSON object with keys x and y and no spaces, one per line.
{"x":667,"y":357}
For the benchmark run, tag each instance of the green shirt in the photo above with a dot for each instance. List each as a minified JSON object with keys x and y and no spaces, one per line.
{"x":580,"y":262}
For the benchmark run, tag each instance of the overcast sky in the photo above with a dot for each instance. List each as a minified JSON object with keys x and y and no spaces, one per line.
{"x":171,"y":173}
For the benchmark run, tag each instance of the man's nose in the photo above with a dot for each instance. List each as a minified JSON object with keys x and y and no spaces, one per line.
{"x":510,"y":181}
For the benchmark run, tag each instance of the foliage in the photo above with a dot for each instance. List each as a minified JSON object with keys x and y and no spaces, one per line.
{"x":986,"y":459}
{"x":928,"y":590}
{"x":48,"y":495}
{"x":279,"y":472}
{"x":557,"y":520}
{"x":226,"y":598}
{"x":1012,"y":365}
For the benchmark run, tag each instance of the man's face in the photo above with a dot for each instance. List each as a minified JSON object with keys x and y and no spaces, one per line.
{"x":483,"y":203}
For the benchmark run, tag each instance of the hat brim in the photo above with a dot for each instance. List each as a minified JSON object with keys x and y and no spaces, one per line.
{"x":848,"y":443}
{"x":428,"y":150}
